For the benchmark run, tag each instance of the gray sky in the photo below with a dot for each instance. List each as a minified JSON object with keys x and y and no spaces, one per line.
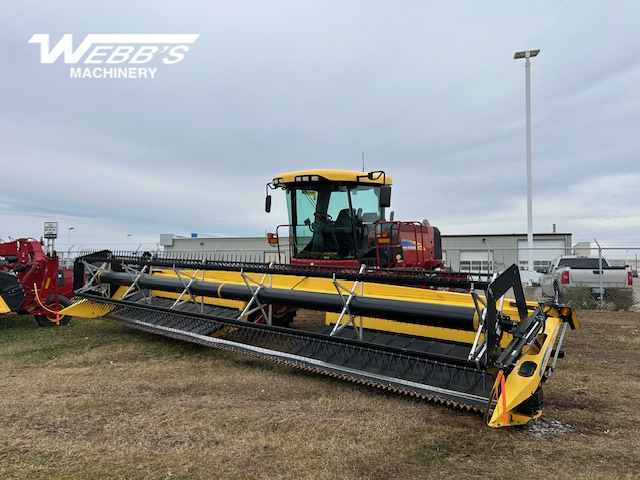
{"x":428,"y":90}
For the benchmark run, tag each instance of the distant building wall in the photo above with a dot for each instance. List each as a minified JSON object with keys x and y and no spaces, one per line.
{"x":461,"y":252}
{"x":251,"y":249}
{"x":582,"y":248}
{"x":481,"y":252}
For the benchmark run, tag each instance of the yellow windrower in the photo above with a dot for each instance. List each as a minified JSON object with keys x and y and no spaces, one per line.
{"x":484,"y":352}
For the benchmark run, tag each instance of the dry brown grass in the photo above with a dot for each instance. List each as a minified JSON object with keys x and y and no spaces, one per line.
{"x":95,"y":400}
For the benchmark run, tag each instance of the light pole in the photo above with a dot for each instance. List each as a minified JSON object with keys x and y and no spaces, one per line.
{"x":489,"y":259}
{"x":68,"y":260}
{"x":128,"y":235}
{"x":527,"y":54}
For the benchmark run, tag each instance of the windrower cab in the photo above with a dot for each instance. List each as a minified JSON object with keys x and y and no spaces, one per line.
{"x":339,"y":218}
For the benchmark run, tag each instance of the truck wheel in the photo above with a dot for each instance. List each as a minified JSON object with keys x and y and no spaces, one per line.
{"x":49,"y":320}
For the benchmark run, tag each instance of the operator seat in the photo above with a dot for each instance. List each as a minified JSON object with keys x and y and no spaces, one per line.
{"x":343,"y":231}
{"x":343,"y":221}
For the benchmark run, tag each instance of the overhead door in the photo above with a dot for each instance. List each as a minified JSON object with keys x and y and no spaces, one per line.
{"x":543,"y":252}
{"x":475,"y":261}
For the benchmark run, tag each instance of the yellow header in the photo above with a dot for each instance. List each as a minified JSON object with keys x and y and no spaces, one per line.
{"x":332,"y":176}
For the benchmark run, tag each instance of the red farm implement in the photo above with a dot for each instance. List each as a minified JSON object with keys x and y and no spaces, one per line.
{"x":32,"y":282}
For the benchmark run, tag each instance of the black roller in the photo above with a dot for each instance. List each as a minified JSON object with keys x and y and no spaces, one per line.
{"x":402,"y":277}
{"x":447,"y":316}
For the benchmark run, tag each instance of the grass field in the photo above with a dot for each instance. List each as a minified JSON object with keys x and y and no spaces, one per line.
{"x":95,"y":400}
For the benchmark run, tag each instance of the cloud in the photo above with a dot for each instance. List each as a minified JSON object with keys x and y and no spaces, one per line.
{"x":428,"y":91}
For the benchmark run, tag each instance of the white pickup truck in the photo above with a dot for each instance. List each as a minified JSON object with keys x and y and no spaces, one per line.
{"x":571,"y":271}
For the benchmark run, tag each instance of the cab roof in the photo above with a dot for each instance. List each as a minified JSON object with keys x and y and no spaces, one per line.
{"x":326,"y":175}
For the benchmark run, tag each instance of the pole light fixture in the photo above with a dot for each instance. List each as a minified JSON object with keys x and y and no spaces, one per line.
{"x":527,"y":54}
{"x":523,"y":54}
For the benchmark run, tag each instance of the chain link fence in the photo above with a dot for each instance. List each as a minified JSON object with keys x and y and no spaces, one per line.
{"x":594,"y":278}
{"x":585,"y":278}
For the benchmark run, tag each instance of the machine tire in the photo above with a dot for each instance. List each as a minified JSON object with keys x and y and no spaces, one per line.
{"x":284,"y":320}
{"x":50,"y":320}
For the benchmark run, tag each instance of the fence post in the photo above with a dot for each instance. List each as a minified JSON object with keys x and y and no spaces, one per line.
{"x":600,"y":274}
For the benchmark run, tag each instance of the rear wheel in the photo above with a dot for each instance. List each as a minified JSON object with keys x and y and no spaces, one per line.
{"x":50,"y":320}
{"x":285,"y":320}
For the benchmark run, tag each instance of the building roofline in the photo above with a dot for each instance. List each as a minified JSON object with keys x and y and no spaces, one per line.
{"x":505,"y":234}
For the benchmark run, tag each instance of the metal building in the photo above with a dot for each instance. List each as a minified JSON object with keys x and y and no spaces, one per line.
{"x":246,"y":249}
{"x":497,"y":252}
{"x":469,"y":253}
